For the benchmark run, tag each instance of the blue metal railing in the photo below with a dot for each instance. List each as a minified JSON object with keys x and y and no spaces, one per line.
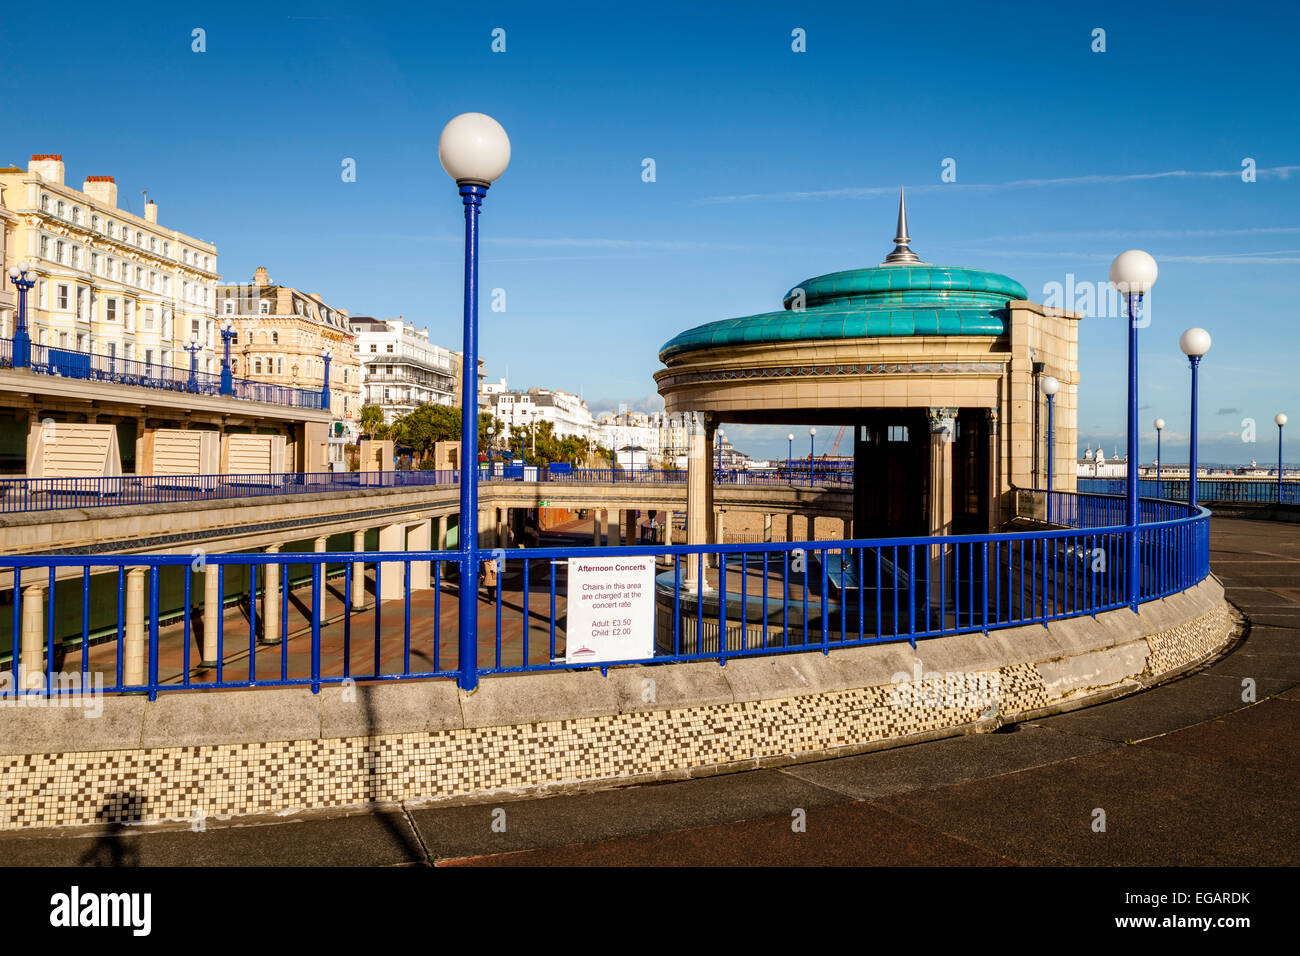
{"x":1216,"y":490}
{"x":92,"y":366}
{"x":759,"y":599}
{"x":50,"y":494}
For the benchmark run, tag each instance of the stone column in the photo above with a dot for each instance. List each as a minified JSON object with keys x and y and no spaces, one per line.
{"x":503,"y":528}
{"x":666,"y":522}
{"x":392,"y":586}
{"x":789,"y":527}
{"x":440,"y":543}
{"x":270,"y":609}
{"x":698,"y":496}
{"x":719,"y":525}
{"x":767,"y":527}
{"x":320,"y":546}
{"x":31,"y":673}
{"x":710,"y":516}
{"x":358,"y":572}
{"x":995,"y":486}
{"x":939,"y":510}
{"x":133,"y":631}
{"x":418,"y":539}
{"x":597,"y":527}
{"x":212,"y":611}
{"x":629,"y":530}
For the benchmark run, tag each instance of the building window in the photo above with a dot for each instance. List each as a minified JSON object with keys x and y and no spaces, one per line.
{"x":388,"y":347}
{"x":275,"y":338}
{"x":167,"y":249}
{"x":230,"y":307}
{"x":153,"y":244}
{"x":110,"y":309}
{"x":110,"y":228}
{"x":264,"y":308}
{"x":257,"y":366}
{"x":63,"y":298}
{"x":139,"y":238}
{"x":45,"y":247}
{"x":58,"y":252}
{"x":45,"y":202}
{"x":94,"y":223}
{"x":59,"y":209}
{"x":897,"y":433}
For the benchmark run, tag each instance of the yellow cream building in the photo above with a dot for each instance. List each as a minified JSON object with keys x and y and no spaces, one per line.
{"x":280,"y":334}
{"x":108,"y":281}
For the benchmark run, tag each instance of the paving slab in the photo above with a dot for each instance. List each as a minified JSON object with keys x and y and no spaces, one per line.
{"x":364,"y":839}
{"x":1160,"y":809}
{"x":944,"y":762}
{"x":1156,"y":711}
{"x":842,"y":835}
{"x":553,"y":821}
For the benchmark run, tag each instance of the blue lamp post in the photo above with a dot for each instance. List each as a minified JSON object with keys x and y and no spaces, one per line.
{"x":325,"y":388}
{"x":1194,"y":343}
{"x":721,"y":435}
{"x":227,"y":339}
{"x":789,"y":458}
{"x":1159,"y":424}
{"x":1279,"y":419}
{"x":1049,"y":386}
{"x":474,"y":150}
{"x":23,"y":279}
{"x":193,"y":346}
{"x":490,"y":432}
{"x":812,"y":450}
{"x":1133,"y":273}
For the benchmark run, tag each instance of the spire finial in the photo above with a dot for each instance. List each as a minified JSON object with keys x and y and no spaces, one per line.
{"x":902,"y":253}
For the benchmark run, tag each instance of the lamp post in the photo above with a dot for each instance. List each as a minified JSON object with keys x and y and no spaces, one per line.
{"x":721,"y":435}
{"x":1133,"y":273}
{"x":789,"y":458}
{"x":325,"y":387}
{"x":1194,"y":343}
{"x":490,"y":432}
{"x":227,"y":339}
{"x":812,"y":451}
{"x":1279,"y":419}
{"x":474,"y":150}
{"x":1049,"y":386}
{"x":1159,"y":423}
{"x":23,"y":278}
{"x":193,"y":346}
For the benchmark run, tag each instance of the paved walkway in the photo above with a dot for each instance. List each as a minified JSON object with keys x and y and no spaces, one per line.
{"x":1187,"y":774}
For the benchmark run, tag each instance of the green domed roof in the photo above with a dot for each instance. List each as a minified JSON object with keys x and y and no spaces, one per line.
{"x":886,"y":300}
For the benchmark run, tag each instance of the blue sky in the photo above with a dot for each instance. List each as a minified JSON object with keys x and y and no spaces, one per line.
{"x":771,"y":166}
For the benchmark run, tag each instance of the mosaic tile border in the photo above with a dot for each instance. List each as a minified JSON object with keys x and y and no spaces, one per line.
{"x":189,"y":782}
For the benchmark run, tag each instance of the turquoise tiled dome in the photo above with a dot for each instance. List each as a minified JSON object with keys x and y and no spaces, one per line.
{"x":887,"y":300}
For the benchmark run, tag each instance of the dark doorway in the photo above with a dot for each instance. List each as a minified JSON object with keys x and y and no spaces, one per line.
{"x":970,"y":473}
{"x":889,"y":462}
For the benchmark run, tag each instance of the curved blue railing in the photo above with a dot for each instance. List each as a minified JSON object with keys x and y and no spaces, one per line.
{"x":1208,"y":490}
{"x":146,"y":622}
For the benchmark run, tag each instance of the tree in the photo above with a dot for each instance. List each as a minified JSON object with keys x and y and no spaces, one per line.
{"x":371,"y":421}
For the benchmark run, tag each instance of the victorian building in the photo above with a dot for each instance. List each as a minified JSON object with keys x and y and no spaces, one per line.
{"x":401,"y":368}
{"x":281,"y":337}
{"x":108,"y":281}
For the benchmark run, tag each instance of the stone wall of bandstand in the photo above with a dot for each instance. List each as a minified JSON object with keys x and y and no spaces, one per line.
{"x":191,"y":755}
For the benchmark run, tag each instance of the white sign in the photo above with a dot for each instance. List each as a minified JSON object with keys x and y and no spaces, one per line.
{"x":611,"y":610}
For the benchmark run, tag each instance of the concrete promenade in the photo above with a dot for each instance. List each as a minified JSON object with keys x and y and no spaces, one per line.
{"x":1187,"y":773}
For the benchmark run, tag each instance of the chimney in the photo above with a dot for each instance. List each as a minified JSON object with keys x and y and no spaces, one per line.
{"x":102,"y":189}
{"x":49,"y":166}
{"x":260,"y":277}
{"x":151,"y":211}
